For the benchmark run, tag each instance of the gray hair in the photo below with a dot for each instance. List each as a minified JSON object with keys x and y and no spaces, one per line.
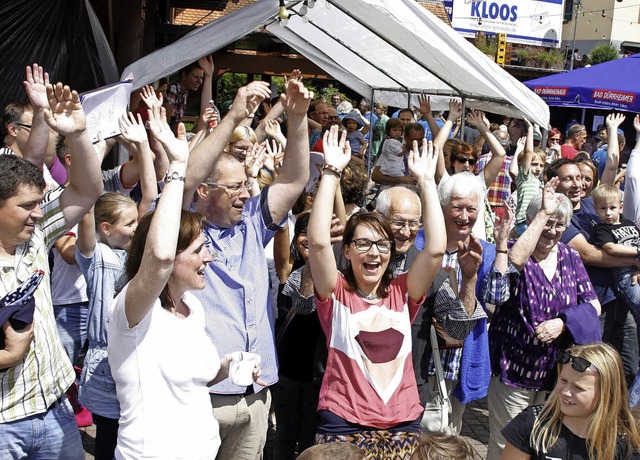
{"x":461,"y":185}
{"x":344,"y":107}
{"x":564,"y":212}
{"x":385,"y":198}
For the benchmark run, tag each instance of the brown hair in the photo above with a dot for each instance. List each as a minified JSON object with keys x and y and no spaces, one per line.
{"x":441,"y":447}
{"x":191,"y":225}
{"x":380,"y":224}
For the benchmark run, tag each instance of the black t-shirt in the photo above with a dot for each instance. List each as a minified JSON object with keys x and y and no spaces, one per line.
{"x":568,"y":445}
{"x":624,"y":233}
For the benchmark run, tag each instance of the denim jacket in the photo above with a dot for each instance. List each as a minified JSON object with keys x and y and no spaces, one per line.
{"x":103,"y":272}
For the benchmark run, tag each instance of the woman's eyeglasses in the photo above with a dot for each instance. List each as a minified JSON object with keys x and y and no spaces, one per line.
{"x":463,"y":160}
{"x":578,"y":364}
{"x":364,"y":244}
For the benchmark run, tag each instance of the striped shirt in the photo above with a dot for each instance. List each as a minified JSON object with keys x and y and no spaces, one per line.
{"x":528,"y":187}
{"x":44,"y":374}
{"x":236,"y":298}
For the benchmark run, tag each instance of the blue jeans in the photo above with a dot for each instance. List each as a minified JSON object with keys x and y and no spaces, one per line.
{"x":51,"y":435}
{"x":631,"y":295}
{"x":72,"y":326}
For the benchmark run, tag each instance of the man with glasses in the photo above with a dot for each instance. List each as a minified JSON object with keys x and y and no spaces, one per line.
{"x":616,"y":322}
{"x":238,"y":311}
{"x":576,"y":137}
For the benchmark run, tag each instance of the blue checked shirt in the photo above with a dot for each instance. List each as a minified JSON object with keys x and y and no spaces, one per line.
{"x":236,"y":298}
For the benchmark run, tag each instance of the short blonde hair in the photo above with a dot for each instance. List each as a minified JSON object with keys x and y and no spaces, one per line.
{"x":604,"y":192}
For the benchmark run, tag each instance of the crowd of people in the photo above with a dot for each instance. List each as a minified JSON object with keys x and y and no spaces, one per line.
{"x":231,"y":247}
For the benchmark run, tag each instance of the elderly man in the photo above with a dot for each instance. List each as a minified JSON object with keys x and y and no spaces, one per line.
{"x":238,"y":310}
{"x":318,"y":123}
{"x":36,"y":418}
{"x":465,"y":360}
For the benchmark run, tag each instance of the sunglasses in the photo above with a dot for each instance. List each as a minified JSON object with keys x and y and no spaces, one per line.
{"x":463,"y":160}
{"x":578,"y":364}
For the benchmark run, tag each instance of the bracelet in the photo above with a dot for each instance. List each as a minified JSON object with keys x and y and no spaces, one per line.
{"x":173,"y":176}
{"x":333,"y":169}
{"x":502,"y":251}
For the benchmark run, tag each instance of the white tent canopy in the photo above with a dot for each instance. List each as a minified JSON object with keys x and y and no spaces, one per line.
{"x":392,"y":50}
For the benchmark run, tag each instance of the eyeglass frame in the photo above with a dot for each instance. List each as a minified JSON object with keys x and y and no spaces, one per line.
{"x":381,"y":250}
{"x":399,"y":224}
{"x":578,"y":364}
{"x":558,"y":227}
{"x":463,"y":160}
{"x":23,"y":125}
{"x":243,"y":185}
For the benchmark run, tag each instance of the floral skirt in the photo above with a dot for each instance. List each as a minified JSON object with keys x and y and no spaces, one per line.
{"x":377,"y":445}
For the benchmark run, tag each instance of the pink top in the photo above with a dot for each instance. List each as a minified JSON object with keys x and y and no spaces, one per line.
{"x":369,"y":377}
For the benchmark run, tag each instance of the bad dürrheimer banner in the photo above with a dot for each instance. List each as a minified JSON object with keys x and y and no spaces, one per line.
{"x":530,"y":22}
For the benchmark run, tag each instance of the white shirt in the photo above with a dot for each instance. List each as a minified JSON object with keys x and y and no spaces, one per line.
{"x":161,"y":368}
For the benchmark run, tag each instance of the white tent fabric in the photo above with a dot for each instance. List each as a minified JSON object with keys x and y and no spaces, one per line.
{"x":391,"y":49}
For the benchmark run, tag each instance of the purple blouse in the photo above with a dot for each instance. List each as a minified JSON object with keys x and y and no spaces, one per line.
{"x":524,"y":300}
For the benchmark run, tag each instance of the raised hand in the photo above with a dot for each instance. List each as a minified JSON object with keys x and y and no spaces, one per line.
{"x":298,"y":97}
{"x":422,"y":163}
{"x":614,"y":120}
{"x":207,"y":66}
{"x":336,"y":148}
{"x":149,"y":97}
{"x":455,"y":110}
{"x":636,"y":123}
{"x":476,"y":119}
{"x":520,"y":145}
{"x":470,"y":257}
{"x":64,"y":114}
{"x":132,"y":129}
{"x":177,"y":149}
{"x":248,"y":98}
{"x":274,"y":151}
{"x":36,"y":87}
{"x":272,"y":128}
{"x":255,"y":159}
{"x":424,"y":104}
{"x":550,"y":199}
{"x":502,"y":227}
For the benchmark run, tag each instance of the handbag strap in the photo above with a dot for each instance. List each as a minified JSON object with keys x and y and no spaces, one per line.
{"x":435,"y":353}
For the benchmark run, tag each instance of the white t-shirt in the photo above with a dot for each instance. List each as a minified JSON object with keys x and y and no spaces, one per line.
{"x":161,"y":368}
{"x":68,"y":285}
{"x":391,"y":161}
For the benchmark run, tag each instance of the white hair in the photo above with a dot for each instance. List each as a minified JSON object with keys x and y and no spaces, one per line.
{"x":461,"y":185}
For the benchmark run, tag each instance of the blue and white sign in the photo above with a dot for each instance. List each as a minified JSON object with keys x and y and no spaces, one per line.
{"x":530,"y":22}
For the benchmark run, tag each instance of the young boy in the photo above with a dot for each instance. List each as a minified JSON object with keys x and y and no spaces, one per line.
{"x":619,"y":237}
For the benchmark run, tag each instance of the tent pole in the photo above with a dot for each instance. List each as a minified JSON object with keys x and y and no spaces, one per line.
{"x":371,"y":135}
{"x":584,"y":112}
{"x":462,"y":118}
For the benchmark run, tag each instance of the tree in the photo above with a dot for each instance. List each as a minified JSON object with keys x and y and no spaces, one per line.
{"x":602,"y":53}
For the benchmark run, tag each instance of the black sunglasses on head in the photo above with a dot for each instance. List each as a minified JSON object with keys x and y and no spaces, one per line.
{"x":578,"y":364}
{"x":463,"y":160}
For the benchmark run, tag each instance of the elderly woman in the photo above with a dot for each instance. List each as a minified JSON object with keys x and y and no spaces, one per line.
{"x":543,"y":300}
{"x":369,"y":395}
{"x":466,"y":363}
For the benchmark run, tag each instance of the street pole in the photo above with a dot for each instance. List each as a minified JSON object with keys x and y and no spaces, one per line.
{"x":575,"y":27}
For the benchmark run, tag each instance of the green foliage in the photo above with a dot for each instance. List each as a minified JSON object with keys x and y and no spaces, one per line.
{"x":551,"y":57}
{"x":488,"y":45}
{"x":602,"y":53}
{"x":229,"y":84}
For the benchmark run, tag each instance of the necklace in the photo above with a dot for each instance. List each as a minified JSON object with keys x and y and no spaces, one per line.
{"x":372,"y":296}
